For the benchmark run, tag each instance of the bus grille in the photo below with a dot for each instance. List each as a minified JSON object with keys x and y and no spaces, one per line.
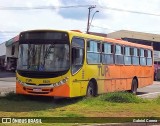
{"x":43,"y":91}
{"x":38,"y":84}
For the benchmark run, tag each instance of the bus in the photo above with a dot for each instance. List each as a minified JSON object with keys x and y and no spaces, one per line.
{"x":70,"y":64}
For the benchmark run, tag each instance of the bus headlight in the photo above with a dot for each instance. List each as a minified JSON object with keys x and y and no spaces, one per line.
{"x":60,"y":82}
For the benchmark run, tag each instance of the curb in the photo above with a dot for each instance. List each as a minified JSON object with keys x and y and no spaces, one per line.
{"x":150,"y":95}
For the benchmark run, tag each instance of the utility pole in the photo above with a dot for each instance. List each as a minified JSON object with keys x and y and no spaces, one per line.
{"x":88,"y":23}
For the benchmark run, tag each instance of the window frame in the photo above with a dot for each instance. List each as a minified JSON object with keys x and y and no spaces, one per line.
{"x":111,"y":53}
{"x":100,"y":53}
{"x":142,"y":57}
{"x":151,"y":51}
{"x":133,"y":55}
{"x":130,"y":48}
{"x":75,"y":37}
{"x":122,"y":54}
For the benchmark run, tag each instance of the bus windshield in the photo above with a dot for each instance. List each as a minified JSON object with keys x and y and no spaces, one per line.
{"x":43,"y":57}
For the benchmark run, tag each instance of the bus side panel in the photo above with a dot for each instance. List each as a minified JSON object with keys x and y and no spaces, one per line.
{"x":113,"y":86}
{"x":75,"y":89}
{"x":123,"y":85}
{"x":144,"y":80}
{"x":118,"y":85}
{"x":84,"y":85}
{"x":95,"y":72}
{"x":129,"y":82}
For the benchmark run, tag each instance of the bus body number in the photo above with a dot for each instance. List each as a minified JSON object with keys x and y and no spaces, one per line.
{"x":28,"y":80}
{"x":46,"y":81}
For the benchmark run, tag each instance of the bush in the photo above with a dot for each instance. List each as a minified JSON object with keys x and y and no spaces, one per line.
{"x":121,"y":97}
{"x":14,"y":97}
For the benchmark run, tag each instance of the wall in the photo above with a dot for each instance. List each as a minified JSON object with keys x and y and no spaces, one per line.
{"x":133,"y":34}
{"x":2,"y":49}
{"x":9,"y":50}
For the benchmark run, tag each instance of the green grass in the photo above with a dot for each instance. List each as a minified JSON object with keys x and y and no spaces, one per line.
{"x":157,"y":100}
{"x":117,"y":104}
{"x":121,"y":97}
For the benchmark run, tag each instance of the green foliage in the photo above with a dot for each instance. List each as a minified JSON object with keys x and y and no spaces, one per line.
{"x":121,"y":97}
{"x":14,"y":97}
{"x":157,"y":100}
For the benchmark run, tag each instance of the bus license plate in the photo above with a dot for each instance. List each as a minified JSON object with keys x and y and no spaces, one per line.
{"x":37,"y":90}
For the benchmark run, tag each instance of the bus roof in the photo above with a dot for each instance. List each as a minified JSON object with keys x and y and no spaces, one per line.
{"x":105,"y":39}
{"x":94,"y":37}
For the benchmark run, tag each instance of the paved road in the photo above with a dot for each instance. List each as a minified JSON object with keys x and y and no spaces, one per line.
{"x":7,"y":83}
{"x":150,"y":91}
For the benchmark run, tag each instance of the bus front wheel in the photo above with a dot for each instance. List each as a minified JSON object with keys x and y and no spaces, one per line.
{"x":134,"y":86}
{"x":91,"y":90}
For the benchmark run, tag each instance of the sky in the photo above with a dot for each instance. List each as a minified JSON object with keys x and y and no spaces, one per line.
{"x":73,"y":15}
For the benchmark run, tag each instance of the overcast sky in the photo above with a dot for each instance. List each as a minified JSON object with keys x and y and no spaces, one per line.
{"x":13,"y":21}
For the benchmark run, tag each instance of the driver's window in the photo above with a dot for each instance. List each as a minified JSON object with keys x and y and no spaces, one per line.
{"x":77,"y":54}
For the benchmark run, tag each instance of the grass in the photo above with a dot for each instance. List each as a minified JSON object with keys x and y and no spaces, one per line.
{"x":118,"y":104}
{"x":121,"y":97}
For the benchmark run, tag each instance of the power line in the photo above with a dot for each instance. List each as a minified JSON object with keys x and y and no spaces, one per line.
{"x":130,"y":11}
{"x":102,"y":27}
{"x":75,"y":6}
{"x":42,"y":7}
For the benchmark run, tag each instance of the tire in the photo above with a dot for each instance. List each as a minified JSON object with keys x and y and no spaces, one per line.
{"x":134,"y":86}
{"x":91,"y":90}
{"x":155,"y":77}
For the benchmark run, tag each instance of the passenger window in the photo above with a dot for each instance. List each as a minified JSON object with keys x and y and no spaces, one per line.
{"x":142,"y":57}
{"x":77,"y":54}
{"x":135,"y":56}
{"x":119,"y":58}
{"x":93,"y":52}
{"x":118,"y":50}
{"x":149,"y":58}
{"x":127,"y":57}
{"x":107,"y":53}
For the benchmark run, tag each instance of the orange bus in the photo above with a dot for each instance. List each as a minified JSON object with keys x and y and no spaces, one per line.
{"x":71,"y":64}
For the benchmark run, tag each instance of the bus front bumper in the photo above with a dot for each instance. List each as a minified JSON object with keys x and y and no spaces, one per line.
{"x":60,"y":91}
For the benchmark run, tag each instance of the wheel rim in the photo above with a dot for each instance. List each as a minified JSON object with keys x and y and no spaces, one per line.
{"x":90,"y":91}
{"x":134,"y":88}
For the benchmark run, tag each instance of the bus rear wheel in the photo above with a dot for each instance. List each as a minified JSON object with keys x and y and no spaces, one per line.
{"x":91,"y":90}
{"x":134,"y":86}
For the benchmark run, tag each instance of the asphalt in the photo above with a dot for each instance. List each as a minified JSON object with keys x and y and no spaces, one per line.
{"x":7,"y":74}
{"x":7,"y":82}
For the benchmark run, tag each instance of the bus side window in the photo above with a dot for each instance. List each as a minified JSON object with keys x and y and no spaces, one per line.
{"x":93,"y":52}
{"x":127,"y":57}
{"x":77,"y":54}
{"x":135,"y":56}
{"x":107,"y":53}
{"x":119,"y":57}
{"x":142,"y":57}
{"x":149,"y":58}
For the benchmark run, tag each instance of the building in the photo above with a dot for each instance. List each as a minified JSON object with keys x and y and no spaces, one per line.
{"x":11,"y":53}
{"x":137,"y":37}
{"x":2,"y":55}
